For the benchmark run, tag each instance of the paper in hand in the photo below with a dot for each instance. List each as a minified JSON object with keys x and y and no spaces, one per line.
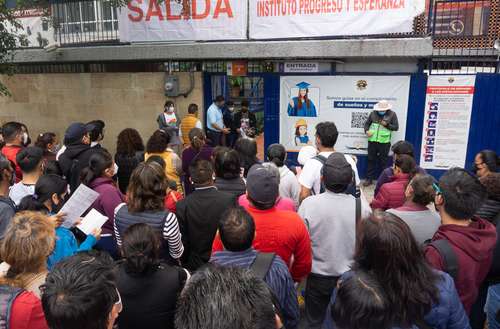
{"x":92,"y":221}
{"x":80,"y":201}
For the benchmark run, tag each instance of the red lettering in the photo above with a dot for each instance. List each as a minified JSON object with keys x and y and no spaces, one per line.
{"x":154,"y":10}
{"x":202,"y":15}
{"x":137,"y":10}
{"x":220,"y":10}
{"x":171,"y":17}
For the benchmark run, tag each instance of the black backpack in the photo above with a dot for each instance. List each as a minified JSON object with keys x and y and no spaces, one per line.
{"x":450,"y":259}
{"x":7,"y":296}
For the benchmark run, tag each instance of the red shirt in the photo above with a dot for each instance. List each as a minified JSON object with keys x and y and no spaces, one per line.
{"x":171,"y":200}
{"x":10,"y":153}
{"x":473,"y":245}
{"x":27,"y":312}
{"x":284,"y":233}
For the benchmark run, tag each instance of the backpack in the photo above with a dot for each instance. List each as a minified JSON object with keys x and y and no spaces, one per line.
{"x":7,"y":296}
{"x":450,"y":259}
{"x":262,"y":263}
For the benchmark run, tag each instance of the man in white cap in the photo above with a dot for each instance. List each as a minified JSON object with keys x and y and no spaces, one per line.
{"x":379,"y":127}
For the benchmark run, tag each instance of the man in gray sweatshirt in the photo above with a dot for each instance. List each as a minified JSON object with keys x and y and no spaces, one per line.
{"x":330,"y":218}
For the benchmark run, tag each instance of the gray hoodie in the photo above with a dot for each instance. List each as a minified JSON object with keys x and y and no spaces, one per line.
{"x":289,"y":185}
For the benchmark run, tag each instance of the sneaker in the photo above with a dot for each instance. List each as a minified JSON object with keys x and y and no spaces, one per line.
{"x":367,"y":182}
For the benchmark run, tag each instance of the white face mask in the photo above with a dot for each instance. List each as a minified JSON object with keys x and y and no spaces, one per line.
{"x":231,"y":109}
{"x":25,"y":138}
{"x":171,"y":109}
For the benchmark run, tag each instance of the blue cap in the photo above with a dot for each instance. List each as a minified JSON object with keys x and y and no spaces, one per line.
{"x":303,"y":85}
{"x":75,"y":133}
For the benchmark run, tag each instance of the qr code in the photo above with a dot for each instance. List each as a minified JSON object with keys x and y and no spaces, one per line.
{"x":358,"y":119}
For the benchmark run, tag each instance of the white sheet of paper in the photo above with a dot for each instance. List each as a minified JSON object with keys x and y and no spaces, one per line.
{"x":80,"y":201}
{"x":93,"y":220}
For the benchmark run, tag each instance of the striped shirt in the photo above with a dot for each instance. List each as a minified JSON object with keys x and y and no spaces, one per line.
{"x":171,"y":233}
{"x":278,"y":279}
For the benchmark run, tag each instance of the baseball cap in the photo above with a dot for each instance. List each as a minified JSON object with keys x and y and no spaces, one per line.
{"x":75,"y":132}
{"x":337,"y":171}
{"x":262,"y":185}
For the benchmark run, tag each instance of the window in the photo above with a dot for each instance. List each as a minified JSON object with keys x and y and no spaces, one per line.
{"x":461,"y":18}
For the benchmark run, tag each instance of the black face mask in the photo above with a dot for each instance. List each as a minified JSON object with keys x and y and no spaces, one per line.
{"x":57,"y":207}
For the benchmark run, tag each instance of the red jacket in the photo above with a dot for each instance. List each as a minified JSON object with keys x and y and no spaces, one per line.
{"x":473,"y":246}
{"x":27,"y":312}
{"x":391,"y":195}
{"x":284,"y":233}
{"x":10,"y":153}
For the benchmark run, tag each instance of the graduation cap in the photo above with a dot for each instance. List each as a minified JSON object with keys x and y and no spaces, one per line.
{"x":303,"y":85}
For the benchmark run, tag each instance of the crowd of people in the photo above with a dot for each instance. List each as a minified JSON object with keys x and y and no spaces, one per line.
{"x":201,"y":233}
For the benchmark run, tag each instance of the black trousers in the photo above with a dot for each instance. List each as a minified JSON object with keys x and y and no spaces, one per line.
{"x":319,"y":290}
{"x":214,"y":137}
{"x":378,"y":155}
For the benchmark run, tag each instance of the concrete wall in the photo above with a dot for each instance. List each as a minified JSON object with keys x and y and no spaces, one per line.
{"x":50,"y":102}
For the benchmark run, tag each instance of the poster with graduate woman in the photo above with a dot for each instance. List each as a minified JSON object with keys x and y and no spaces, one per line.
{"x":346,"y":100}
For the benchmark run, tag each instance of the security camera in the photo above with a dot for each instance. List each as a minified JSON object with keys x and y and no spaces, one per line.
{"x":51,"y":47}
{"x":496,"y":45}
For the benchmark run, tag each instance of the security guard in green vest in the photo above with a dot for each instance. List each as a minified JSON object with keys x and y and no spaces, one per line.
{"x":379,"y":127}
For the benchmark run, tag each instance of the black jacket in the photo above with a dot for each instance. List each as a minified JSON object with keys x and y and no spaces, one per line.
{"x":237,"y":120}
{"x":390,"y":117}
{"x":235,"y":186}
{"x":199,"y":216}
{"x":126,"y":165}
{"x":489,"y":210}
{"x":73,"y":160}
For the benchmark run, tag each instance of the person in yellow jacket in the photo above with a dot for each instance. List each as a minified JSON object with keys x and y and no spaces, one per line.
{"x":379,"y":127}
{"x":158,"y":145}
{"x":189,"y":122}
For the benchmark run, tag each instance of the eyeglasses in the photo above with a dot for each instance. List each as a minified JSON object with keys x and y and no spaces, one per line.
{"x":436,"y":188}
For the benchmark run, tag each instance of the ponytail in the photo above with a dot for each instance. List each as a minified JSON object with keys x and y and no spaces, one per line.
{"x":197,"y":138}
{"x":45,"y":187}
{"x":98,"y":163}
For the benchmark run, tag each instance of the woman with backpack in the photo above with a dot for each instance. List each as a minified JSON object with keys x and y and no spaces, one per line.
{"x":418,"y":296}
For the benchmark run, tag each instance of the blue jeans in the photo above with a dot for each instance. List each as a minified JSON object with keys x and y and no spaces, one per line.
{"x":493,"y":306}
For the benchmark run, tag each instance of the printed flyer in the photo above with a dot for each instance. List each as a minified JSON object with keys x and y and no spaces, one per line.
{"x":448,"y":109}
{"x":346,"y":100}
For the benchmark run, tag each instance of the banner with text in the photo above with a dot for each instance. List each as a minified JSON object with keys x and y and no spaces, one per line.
{"x":448,"y":109}
{"x":346,"y":100}
{"x":271,"y":19}
{"x":172,"y":20}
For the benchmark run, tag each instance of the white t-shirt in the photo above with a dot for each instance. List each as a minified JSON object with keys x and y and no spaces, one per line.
{"x":310,"y":176}
{"x":19,"y":190}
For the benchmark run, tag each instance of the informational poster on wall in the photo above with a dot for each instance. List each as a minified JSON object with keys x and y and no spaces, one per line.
{"x":176,"y":20}
{"x":346,"y":100}
{"x":271,"y":19}
{"x":448,"y":109}
{"x":36,"y":29}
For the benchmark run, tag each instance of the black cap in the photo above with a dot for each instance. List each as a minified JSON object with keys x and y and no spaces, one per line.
{"x":337,"y":171}
{"x":75,"y":133}
{"x":262,"y":185}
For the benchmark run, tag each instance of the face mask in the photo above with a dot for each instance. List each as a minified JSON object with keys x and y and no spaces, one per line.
{"x":230,"y":109}
{"x":171,"y":109}
{"x":26,"y":139}
{"x":56,"y":148}
{"x":57,"y":207}
{"x":381,"y":113}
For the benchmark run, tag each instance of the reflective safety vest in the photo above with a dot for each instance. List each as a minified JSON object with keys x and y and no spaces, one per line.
{"x":380,"y":133}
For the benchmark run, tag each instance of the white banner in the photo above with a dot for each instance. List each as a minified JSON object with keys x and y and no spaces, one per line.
{"x":448,"y":109}
{"x":37,"y":30}
{"x":271,"y":19}
{"x":345,"y":100}
{"x":172,"y":20}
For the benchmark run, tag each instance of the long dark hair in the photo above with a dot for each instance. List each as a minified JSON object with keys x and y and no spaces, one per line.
{"x":247,"y":151}
{"x":98,"y":163}
{"x":303,"y":100}
{"x":387,"y":249}
{"x":407,"y":164}
{"x":129,"y":141}
{"x":45,"y":187}
{"x":140,"y":249}
{"x":147,"y":188}
{"x":45,"y":139}
{"x":490,"y":159}
{"x":158,"y":142}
